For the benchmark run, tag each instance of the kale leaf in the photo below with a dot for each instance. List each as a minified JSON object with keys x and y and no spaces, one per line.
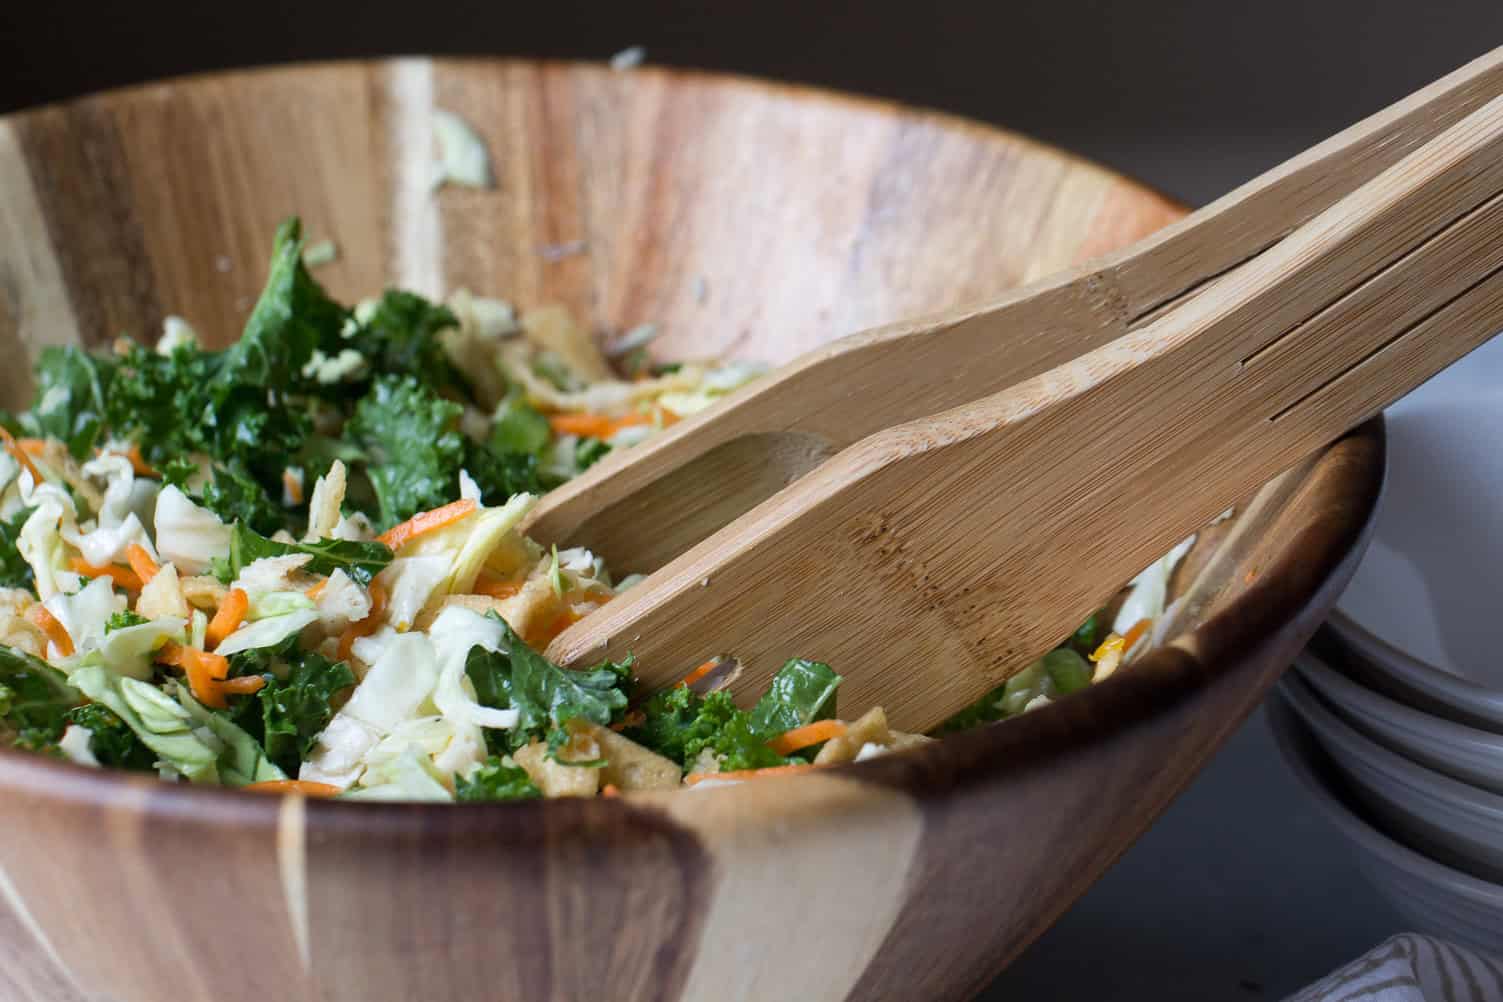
{"x":248,"y":413}
{"x":545,"y":695}
{"x":162,"y":402}
{"x":111,"y":740}
{"x":518,"y":427}
{"x":269,"y":660}
{"x":679,"y":724}
{"x":232,"y":405}
{"x":360,"y":560}
{"x":415,"y":446}
{"x":255,"y":431}
{"x":15,"y":572}
{"x":497,"y":778}
{"x":400,"y":338}
{"x":490,"y":675}
{"x":34,"y":698}
{"x":674,"y":720}
{"x":178,"y":472}
{"x":296,"y":710}
{"x":801,"y":692}
{"x":499,"y":475}
{"x":739,"y":746}
{"x":292,"y":318}
{"x":184,"y":403}
{"x":236,"y":497}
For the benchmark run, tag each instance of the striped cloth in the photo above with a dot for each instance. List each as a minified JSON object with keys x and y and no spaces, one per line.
{"x":1412,"y":968}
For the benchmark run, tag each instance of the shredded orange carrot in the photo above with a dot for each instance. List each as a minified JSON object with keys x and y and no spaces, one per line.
{"x":123,"y":577}
{"x":306,"y":787}
{"x":293,"y":486}
{"x":776,"y":770}
{"x":55,"y":631}
{"x":366,"y":626}
{"x":19,"y":455}
{"x":32,"y":446}
{"x":700,"y":672}
{"x":1131,"y":636}
{"x":141,"y":562}
{"x":495,"y":587}
{"x":181,"y":655}
{"x":244,"y":685}
{"x":202,"y":683}
{"x":228,"y":617}
{"x":208,"y":675}
{"x":317,"y":589}
{"x":588,"y":425}
{"x":425,"y":521}
{"x":138,"y":462}
{"x":206,"y":672}
{"x":802,"y":737}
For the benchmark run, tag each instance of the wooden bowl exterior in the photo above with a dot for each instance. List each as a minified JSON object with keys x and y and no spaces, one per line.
{"x":745,"y":219}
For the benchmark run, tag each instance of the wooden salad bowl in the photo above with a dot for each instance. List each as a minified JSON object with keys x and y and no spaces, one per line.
{"x":745,"y":219}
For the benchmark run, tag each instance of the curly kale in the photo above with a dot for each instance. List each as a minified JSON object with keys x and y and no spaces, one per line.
{"x":497,"y":778}
{"x":545,"y":695}
{"x":295,"y":710}
{"x":111,"y":740}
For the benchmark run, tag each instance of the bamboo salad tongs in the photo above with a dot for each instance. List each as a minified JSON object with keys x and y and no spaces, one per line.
{"x":929,"y":507}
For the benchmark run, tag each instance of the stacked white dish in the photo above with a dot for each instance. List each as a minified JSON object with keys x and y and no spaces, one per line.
{"x":1394,"y":716}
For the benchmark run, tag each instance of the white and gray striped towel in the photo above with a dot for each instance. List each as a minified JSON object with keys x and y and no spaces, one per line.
{"x":1412,"y":968}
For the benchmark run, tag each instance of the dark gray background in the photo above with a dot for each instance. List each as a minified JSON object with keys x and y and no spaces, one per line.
{"x":1240,"y":891}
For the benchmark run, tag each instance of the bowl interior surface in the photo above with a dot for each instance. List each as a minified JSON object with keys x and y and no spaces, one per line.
{"x":1447,"y":819}
{"x":1440,"y":899}
{"x":1428,"y":583}
{"x":1465,"y":753}
{"x":746,"y":220}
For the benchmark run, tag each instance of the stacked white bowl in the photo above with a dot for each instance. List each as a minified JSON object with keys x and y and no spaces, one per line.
{"x":1394,"y":716}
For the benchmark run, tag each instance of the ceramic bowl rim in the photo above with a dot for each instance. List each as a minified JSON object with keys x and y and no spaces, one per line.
{"x":1295,"y":740}
{"x":1471,"y":700}
{"x":1349,"y":697}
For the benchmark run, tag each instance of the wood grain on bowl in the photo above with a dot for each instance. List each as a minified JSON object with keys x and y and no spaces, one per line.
{"x":743,"y":218}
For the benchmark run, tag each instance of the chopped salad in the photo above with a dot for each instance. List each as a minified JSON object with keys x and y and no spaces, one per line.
{"x":295,"y":564}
